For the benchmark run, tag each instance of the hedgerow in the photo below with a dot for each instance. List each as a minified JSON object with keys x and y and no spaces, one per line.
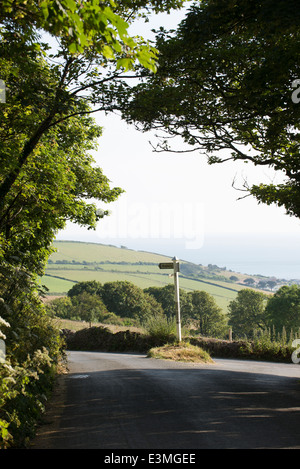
{"x":34,"y":349}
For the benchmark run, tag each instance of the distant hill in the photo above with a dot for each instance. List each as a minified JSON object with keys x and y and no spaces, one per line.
{"x":76,"y":261}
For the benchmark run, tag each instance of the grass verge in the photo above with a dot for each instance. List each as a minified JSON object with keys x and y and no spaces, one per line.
{"x":183,"y":352}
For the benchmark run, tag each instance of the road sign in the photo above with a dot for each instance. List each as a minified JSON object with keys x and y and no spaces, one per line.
{"x":175,"y":266}
{"x":166,"y":265}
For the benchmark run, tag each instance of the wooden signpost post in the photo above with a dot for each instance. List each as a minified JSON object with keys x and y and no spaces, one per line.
{"x":175,"y":266}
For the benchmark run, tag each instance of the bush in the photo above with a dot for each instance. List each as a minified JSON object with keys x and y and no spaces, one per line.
{"x":23,"y":394}
{"x":33,"y":350}
{"x":161,"y":328}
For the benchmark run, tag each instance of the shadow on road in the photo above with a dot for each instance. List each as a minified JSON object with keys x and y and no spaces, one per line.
{"x":172,"y":408}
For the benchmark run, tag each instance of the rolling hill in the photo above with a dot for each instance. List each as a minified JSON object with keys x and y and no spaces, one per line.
{"x":81,"y":261}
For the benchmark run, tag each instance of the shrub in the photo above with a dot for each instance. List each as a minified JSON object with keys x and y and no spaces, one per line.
{"x":23,"y":394}
{"x":161,"y":328}
{"x":33,"y":350}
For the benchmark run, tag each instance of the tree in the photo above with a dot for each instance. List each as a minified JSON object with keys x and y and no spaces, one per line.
{"x":224,"y":84}
{"x":283,"y":309}
{"x":58,"y":180}
{"x":210,"y":318}
{"x":86,"y":69}
{"x":127,"y":300}
{"x":101,"y":26}
{"x":60,"y":308}
{"x":247,"y":312}
{"x":249,"y":281}
{"x":197,"y":305}
{"x":262,"y":284}
{"x":88,"y":307}
{"x":165,"y":296}
{"x":91,"y":287}
{"x":47,"y":176}
{"x":271,"y":283}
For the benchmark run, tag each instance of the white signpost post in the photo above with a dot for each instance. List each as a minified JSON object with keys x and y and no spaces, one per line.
{"x":175,"y":266}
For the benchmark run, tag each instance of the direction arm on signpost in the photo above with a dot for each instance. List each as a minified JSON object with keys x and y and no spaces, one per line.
{"x":166,"y":265}
{"x":175,"y":266}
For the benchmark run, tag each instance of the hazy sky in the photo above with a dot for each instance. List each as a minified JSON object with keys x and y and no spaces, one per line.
{"x":180,"y":202}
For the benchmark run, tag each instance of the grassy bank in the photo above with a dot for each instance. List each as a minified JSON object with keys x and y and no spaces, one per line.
{"x":183,"y":352}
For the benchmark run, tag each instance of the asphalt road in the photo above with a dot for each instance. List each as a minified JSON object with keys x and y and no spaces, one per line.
{"x":127,"y":401}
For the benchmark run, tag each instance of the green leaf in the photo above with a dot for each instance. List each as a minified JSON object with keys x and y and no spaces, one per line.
{"x":108,"y":52}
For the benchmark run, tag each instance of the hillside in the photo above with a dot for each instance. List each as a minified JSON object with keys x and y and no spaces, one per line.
{"x":80,"y":261}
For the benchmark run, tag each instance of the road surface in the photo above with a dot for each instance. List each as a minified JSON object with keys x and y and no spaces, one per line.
{"x":128,"y":401}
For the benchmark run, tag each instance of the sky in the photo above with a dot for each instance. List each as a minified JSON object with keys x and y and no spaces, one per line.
{"x":178,"y":205}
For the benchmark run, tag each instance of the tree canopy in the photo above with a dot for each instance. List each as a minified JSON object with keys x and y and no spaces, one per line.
{"x":90,"y":25}
{"x":283,"y":309}
{"x":247,"y":312}
{"x":210,"y":319}
{"x":127,"y":300}
{"x":46,"y":126}
{"x":225,"y":86}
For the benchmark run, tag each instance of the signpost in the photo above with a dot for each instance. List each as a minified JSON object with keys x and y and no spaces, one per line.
{"x":175,"y":266}
{"x":166,"y":265}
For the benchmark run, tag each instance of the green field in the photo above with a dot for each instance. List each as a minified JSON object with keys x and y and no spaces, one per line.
{"x":79,"y":261}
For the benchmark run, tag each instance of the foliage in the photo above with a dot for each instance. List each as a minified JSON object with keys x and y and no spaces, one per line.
{"x":33,"y":351}
{"x":211,"y":321}
{"x":88,"y":307}
{"x":85,"y":69}
{"x":197,"y":305}
{"x":98,"y":26}
{"x":154,"y":307}
{"x":246,"y":312}
{"x":126,"y":300}
{"x":83,"y":306}
{"x":47,"y":173}
{"x":92,"y":301}
{"x":161,"y":328}
{"x":165,"y":296}
{"x":100,"y":338}
{"x":23,"y":394}
{"x":267,"y":345}
{"x":60,"y":308}
{"x":225,"y":86}
{"x":45,"y":128}
{"x":283,"y":309}
{"x":91,"y":287}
